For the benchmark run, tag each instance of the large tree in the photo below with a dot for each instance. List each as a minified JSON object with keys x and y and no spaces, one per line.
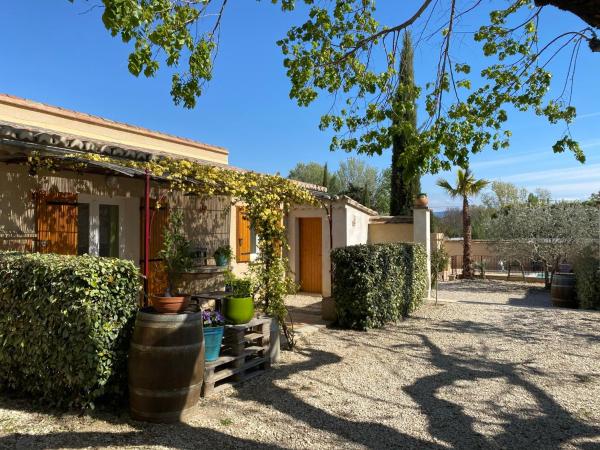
{"x":405,"y":183}
{"x":545,"y":232}
{"x":342,"y":49}
{"x":466,"y":186}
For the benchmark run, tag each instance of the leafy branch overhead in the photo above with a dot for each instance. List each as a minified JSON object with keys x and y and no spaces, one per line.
{"x":343,"y":51}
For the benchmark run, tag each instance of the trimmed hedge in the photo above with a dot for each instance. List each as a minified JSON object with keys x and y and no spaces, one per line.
{"x":65,"y":323}
{"x":587,"y":281}
{"x":378,"y":283}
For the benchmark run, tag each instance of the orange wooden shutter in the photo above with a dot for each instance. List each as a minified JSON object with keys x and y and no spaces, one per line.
{"x":157,"y":273}
{"x":56,"y":222}
{"x":244,"y":236}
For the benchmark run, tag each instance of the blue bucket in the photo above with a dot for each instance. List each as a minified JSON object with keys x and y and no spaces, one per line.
{"x":213,"y":336}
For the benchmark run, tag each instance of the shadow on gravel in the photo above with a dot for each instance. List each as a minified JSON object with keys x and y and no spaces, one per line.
{"x":549,"y":426}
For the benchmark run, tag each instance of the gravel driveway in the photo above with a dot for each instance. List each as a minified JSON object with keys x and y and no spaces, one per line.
{"x":491,"y":366}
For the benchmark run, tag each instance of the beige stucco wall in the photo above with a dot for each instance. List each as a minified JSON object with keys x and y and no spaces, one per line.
{"x":390,"y":232}
{"x":454,"y":247}
{"x":28,"y":113}
{"x":207,"y":219}
{"x":17,"y":207}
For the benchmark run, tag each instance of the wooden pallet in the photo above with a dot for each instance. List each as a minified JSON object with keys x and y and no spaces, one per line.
{"x":247,"y":351}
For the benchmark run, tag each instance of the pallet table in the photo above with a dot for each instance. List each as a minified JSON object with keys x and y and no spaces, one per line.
{"x":247,"y":351}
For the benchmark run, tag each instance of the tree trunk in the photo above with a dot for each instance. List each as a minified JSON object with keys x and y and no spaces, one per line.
{"x":587,"y":10}
{"x":467,"y":263}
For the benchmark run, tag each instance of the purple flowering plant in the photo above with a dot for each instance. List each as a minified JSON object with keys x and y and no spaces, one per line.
{"x":212,"y":319}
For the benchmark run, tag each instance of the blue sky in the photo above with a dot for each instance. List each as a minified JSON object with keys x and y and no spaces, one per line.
{"x":55,"y":54}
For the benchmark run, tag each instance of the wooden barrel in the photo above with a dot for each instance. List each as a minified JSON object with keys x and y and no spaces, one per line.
{"x":563,"y":290}
{"x":166,"y":366}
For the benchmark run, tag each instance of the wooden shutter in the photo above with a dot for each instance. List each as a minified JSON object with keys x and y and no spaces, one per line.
{"x":244,"y":237}
{"x":157,"y":273}
{"x":56,"y":222}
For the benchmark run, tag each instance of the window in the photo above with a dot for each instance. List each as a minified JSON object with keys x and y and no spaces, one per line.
{"x":109,"y":231}
{"x":83,"y":228}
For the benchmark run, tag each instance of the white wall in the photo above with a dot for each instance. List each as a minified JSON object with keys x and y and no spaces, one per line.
{"x":357,"y":226}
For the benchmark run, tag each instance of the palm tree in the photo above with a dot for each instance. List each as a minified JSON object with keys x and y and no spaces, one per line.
{"x":466,"y":186}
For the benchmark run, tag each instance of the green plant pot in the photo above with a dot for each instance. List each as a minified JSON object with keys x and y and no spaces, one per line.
{"x":239,"y":309}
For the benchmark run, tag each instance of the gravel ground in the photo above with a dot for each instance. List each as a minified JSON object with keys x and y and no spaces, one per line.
{"x":490,"y":366}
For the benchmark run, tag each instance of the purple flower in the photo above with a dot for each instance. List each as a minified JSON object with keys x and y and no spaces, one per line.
{"x":212,"y":318}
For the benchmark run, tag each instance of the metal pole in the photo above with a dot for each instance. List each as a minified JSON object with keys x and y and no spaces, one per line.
{"x":146,"y":237}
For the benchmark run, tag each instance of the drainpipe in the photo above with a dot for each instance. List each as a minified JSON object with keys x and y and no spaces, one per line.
{"x":146,"y":237}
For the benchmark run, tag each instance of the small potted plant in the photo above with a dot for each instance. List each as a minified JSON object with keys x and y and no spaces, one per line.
{"x":213,"y":322}
{"x":176,"y":255}
{"x":422,"y":201}
{"x":223,"y":255}
{"x":239,"y":306}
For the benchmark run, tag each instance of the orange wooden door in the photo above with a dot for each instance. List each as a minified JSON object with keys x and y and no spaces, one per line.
{"x":311,"y":256}
{"x":157,"y":274}
{"x":56,"y":222}
{"x":244,"y":237}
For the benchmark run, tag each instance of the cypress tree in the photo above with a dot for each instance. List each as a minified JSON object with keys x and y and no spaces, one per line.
{"x":405,"y":183}
{"x":325,"y":182}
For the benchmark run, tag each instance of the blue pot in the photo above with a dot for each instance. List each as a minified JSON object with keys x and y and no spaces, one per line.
{"x":213,"y":336}
{"x":221,"y":260}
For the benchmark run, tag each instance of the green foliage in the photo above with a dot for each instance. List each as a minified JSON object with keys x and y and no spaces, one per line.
{"x":405,"y":182}
{"x":240,"y":286}
{"x":439,"y":262}
{"x":466,"y":185}
{"x":587,"y":279}
{"x":315,"y":173}
{"x":65,"y":323}
{"x":377,"y":284}
{"x":176,"y":250}
{"x":224,"y":251}
{"x":343,"y":51}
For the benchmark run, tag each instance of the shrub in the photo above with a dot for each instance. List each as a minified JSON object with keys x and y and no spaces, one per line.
{"x":587,"y":280}
{"x":377,"y":284}
{"x":65,"y":323}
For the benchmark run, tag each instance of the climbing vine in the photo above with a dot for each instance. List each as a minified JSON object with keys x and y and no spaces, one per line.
{"x":267,"y":199}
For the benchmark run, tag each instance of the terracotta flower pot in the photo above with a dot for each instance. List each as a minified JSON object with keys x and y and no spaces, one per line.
{"x":169,"y":305}
{"x":422,"y":201}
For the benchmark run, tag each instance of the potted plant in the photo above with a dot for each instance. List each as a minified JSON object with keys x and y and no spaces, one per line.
{"x":176,"y":256}
{"x":223,"y":255}
{"x":213,"y":322}
{"x":239,"y":306}
{"x":422,"y":200}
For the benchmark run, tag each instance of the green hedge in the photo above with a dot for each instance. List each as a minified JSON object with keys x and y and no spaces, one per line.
{"x":65,"y":323}
{"x":377,"y":284}
{"x":587,"y":281}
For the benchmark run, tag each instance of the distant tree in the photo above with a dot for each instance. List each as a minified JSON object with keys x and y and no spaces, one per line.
{"x":503,"y":194}
{"x":547,"y":233}
{"x":325,"y":182}
{"x":382,"y":195}
{"x":594,"y":200}
{"x":311,"y":172}
{"x":405,"y":183}
{"x":449,"y":222}
{"x":466,"y":186}
{"x":365,"y":184}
